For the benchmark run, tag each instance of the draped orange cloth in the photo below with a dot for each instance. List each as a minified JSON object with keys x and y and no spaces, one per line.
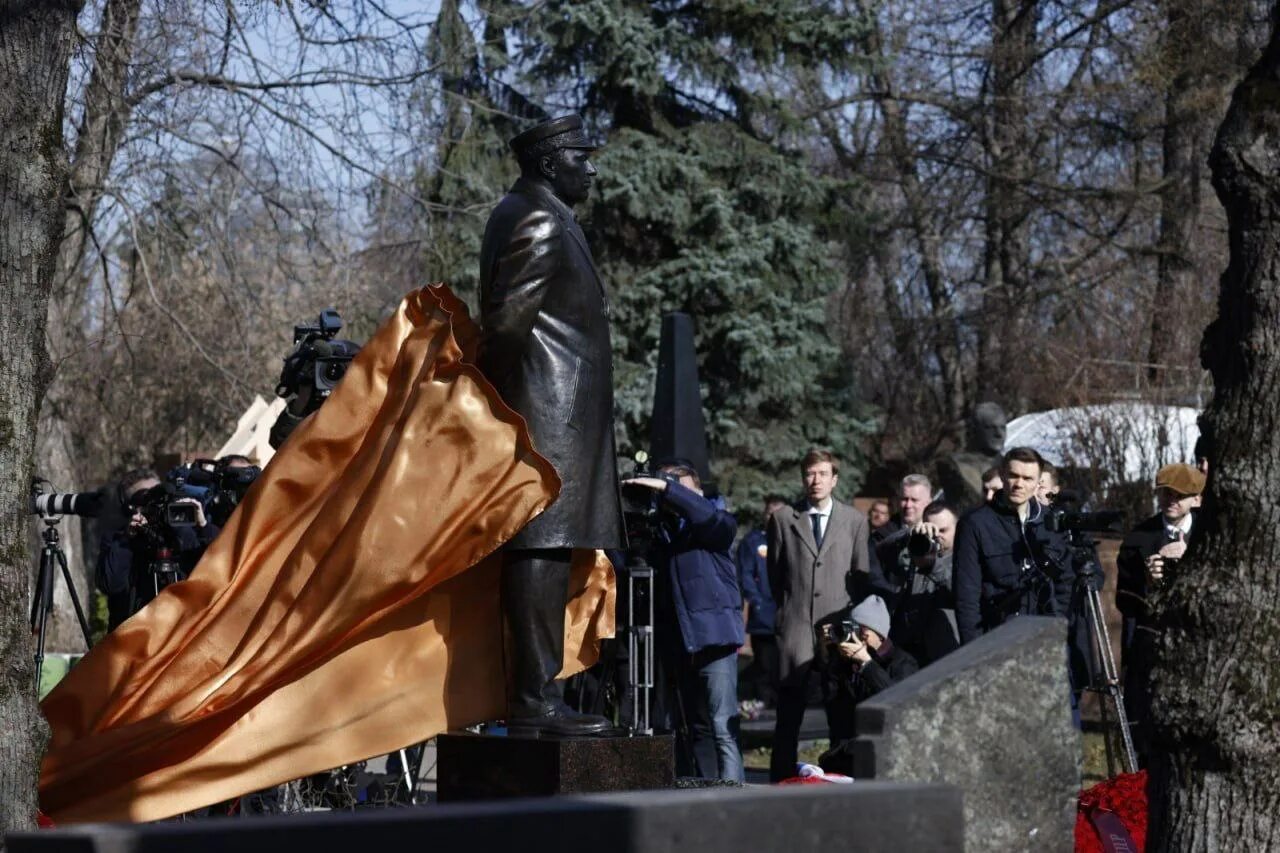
{"x":349,"y":607}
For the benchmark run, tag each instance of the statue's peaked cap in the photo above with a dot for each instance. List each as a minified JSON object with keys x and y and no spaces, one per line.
{"x":562,"y":132}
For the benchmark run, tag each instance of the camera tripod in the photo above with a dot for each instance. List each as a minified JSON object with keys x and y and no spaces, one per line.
{"x":640,"y":684}
{"x":640,"y":645}
{"x":42,"y":601}
{"x":635,"y":620}
{"x":1104,"y":677}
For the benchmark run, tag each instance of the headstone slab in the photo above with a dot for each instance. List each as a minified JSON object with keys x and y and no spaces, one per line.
{"x":993,"y":719}
{"x":486,"y":767}
{"x":862,"y":817}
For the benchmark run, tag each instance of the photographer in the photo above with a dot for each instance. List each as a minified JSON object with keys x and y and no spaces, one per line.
{"x":1006,"y":562}
{"x":233,"y":475}
{"x":1047,"y":491}
{"x":698,"y":601}
{"x":918,"y":588}
{"x":1145,"y":556}
{"x":129,"y":559}
{"x":864,"y":661}
{"x":915,"y":496}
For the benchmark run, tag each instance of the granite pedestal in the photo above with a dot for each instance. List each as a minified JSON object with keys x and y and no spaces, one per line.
{"x":488,"y":767}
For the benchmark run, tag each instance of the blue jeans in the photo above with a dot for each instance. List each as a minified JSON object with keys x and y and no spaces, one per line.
{"x":710,"y":689}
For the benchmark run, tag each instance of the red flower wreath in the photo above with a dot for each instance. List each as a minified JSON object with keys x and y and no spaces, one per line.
{"x":1123,"y":797}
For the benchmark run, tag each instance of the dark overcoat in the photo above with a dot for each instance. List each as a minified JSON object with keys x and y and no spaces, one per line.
{"x":1132,"y":589}
{"x":545,"y":347}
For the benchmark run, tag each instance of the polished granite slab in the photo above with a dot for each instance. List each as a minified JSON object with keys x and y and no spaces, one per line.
{"x":488,"y":766}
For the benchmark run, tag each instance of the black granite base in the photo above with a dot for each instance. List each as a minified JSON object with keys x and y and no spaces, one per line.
{"x":868,"y":816}
{"x":488,"y":767}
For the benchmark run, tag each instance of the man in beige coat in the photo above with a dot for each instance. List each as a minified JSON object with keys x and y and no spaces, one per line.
{"x":818,"y":566}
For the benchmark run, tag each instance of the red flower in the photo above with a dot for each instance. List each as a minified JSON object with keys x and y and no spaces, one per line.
{"x":1126,"y":797}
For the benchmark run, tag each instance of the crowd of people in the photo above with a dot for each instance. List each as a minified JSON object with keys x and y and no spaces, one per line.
{"x":837,"y":605}
{"x":832,"y":605}
{"x":168,"y":522}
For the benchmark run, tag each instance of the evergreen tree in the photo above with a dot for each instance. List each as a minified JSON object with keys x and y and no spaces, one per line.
{"x":703,"y":204}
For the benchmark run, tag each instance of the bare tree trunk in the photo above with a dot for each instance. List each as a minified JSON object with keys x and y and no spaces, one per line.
{"x":60,"y":451}
{"x":945,"y":335}
{"x":1179,"y":209}
{"x":1215,"y":780}
{"x":1195,"y":84}
{"x":1007,"y":253}
{"x":35,"y":50}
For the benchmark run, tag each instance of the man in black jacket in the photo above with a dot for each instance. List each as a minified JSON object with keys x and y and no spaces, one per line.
{"x":1144,"y":557}
{"x":918,"y":589}
{"x":128,"y":558}
{"x":915,"y":496}
{"x":1006,"y":563}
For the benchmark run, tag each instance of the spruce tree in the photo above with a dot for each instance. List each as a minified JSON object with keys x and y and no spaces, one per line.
{"x":706,"y":203}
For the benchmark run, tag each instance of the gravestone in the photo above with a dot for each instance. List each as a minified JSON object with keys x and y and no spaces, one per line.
{"x":993,"y":719}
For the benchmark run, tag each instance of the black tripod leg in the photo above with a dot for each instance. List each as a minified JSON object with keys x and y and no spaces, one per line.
{"x":40,"y":610}
{"x":1097,"y":680}
{"x":1108,"y":742}
{"x":1112,"y":677}
{"x":75,"y":599}
{"x":36,"y":597}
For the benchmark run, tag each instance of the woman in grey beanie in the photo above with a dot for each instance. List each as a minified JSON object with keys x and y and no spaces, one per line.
{"x":866,"y":663}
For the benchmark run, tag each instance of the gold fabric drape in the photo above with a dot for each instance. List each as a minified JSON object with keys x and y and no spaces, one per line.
{"x":349,"y":607}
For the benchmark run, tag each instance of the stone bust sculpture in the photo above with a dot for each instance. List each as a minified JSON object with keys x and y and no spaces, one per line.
{"x":544,"y":345}
{"x":960,"y":474}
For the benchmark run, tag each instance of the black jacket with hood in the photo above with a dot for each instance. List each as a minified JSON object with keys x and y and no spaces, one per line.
{"x":1004,"y":567}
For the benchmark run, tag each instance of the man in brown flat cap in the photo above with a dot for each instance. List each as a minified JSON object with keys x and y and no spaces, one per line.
{"x":1145,"y":556}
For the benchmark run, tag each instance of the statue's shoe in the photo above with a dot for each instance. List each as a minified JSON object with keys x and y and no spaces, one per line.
{"x":559,"y":722}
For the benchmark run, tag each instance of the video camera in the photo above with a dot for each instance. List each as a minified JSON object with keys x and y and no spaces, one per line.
{"x":1067,"y":515}
{"x":218,"y":485}
{"x":161,"y":508}
{"x":640,"y":506}
{"x":318,"y":361}
{"x":47,"y":503}
{"x":311,"y":371}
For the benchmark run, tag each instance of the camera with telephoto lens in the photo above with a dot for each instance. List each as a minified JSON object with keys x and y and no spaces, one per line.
{"x":48,"y":503}
{"x":640,"y":505}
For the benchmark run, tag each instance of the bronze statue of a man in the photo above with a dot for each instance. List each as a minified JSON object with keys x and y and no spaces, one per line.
{"x":545,"y":346}
{"x":960,"y":474}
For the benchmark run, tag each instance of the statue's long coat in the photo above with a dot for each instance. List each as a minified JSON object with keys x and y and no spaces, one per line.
{"x":545,"y":346}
